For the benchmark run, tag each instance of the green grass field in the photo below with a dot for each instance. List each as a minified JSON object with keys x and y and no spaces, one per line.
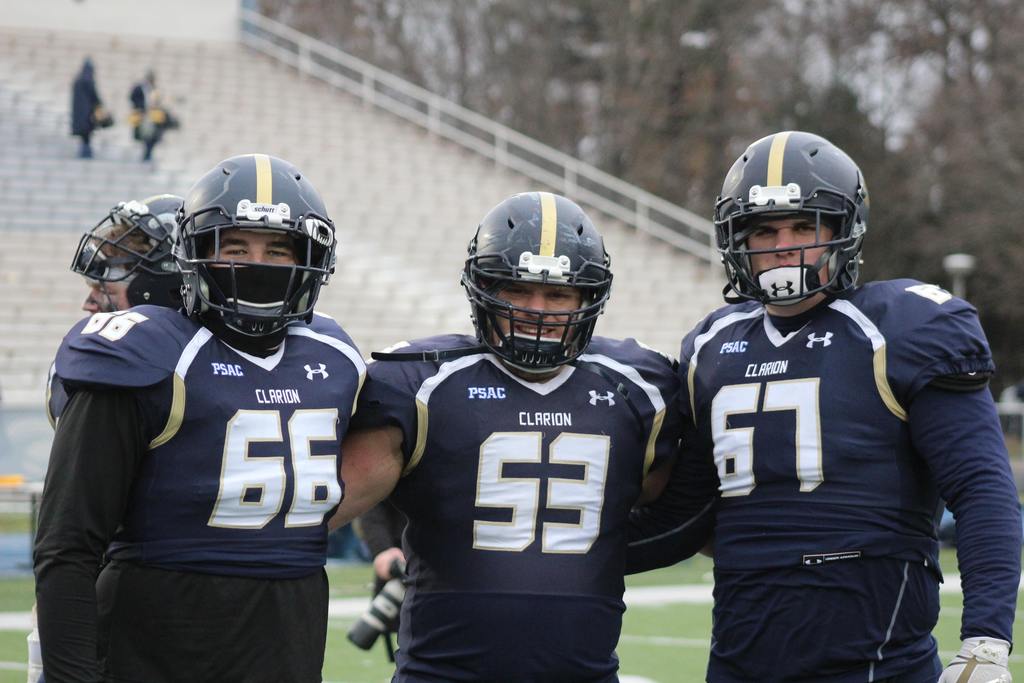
{"x":665,"y":644}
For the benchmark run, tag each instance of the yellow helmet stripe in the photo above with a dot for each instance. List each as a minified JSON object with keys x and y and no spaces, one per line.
{"x":775,"y":156}
{"x":264,"y":180}
{"x":548,"y":224}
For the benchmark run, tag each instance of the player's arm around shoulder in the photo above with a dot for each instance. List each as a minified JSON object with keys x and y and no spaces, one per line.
{"x":371,"y":464}
{"x":373,"y":453}
{"x":660,"y":369}
{"x":675,"y":515}
{"x":654,"y":482}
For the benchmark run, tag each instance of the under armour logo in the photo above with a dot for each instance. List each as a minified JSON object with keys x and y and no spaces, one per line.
{"x":784,"y":288}
{"x":607,"y":396}
{"x":322,"y":371}
{"x":825,"y":341}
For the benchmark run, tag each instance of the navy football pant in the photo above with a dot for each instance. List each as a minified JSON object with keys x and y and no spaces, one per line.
{"x":853,"y":621}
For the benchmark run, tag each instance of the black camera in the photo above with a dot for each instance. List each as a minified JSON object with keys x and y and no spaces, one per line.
{"x":382,"y":614}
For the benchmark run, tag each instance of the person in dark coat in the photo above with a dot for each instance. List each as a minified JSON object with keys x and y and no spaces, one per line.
{"x":84,"y":100}
{"x":149,"y":117}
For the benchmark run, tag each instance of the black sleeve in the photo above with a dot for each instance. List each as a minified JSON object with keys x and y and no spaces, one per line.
{"x":680,"y":522}
{"x":96,"y":451}
{"x":958,"y":434}
{"x":381,"y":527}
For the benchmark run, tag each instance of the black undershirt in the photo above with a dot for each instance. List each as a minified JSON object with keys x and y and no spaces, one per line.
{"x":790,"y":323}
{"x":381,"y":527}
{"x":96,"y":453}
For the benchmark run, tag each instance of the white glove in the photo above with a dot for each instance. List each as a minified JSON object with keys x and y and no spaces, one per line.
{"x":980,"y":660}
{"x":35,"y":654}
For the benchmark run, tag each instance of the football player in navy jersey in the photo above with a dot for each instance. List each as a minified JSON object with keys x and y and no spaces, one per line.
{"x":516,"y":457}
{"x":182,"y":531}
{"x":126,"y":261}
{"x":837,"y":417}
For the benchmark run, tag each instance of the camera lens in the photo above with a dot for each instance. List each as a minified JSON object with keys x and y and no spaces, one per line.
{"x":381,"y":616}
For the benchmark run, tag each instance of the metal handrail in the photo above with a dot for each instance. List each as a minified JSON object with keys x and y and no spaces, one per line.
{"x":648,"y":213}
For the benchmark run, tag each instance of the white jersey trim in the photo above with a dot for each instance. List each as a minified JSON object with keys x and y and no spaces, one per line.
{"x":334,"y":343}
{"x":445,"y":371}
{"x":338,"y":345}
{"x":701,"y":339}
{"x":774,"y":336}
{"x":451,"y":367}
{"x":653,"y":395}
{"x":543,"y":388}
{"x":191,"y":350}
{"x":177,"y":412}
{"x":268,"y":363}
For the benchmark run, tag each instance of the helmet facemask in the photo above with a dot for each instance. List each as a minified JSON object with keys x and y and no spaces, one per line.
{"x":254,"y":299}
{"x":131,"y":245}
{"x":121,"y":244}
{"x":550,"y":338}
{"x":792,"y":174}
{"x":737,"y":220}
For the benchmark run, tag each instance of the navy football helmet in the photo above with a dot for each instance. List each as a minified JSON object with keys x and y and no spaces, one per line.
{"x":132,"y":244}
{"x":536,"y":237}
{"x":266,"y":194}
{"x":787,"y":174}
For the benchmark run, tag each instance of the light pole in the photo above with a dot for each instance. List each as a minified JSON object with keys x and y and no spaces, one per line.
{"x":958,"y":267}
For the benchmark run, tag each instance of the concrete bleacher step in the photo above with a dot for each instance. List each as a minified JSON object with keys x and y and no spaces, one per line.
{"x":405,"y":202}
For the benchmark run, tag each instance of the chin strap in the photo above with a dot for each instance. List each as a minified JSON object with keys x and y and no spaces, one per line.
{"x":435,"y":355}
{"x":262,"y":346}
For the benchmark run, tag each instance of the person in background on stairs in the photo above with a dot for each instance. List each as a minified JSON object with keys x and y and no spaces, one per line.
{"x":149,"y":118}
{"x":85,"y":99}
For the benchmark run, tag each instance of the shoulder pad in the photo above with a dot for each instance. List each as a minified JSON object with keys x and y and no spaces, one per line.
{"x":439,"y":342}
{"x":325,"y":329}
{"x":415,"y":369}
{"x":906,"y":295}
{"x":134,"y":348}
{"x":435,"y":350}
{"x":909,"y":309}
{"x":652,"y":371}
{"x":389,"y":396}
{"x":631,"y":352}
{"x":716,"y":321}
{"x":928,"y":332}
{"x":325,"y":324}
{"x":648,"y":383}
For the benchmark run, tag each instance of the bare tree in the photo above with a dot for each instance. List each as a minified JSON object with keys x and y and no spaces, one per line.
{"x":927,"y":95}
